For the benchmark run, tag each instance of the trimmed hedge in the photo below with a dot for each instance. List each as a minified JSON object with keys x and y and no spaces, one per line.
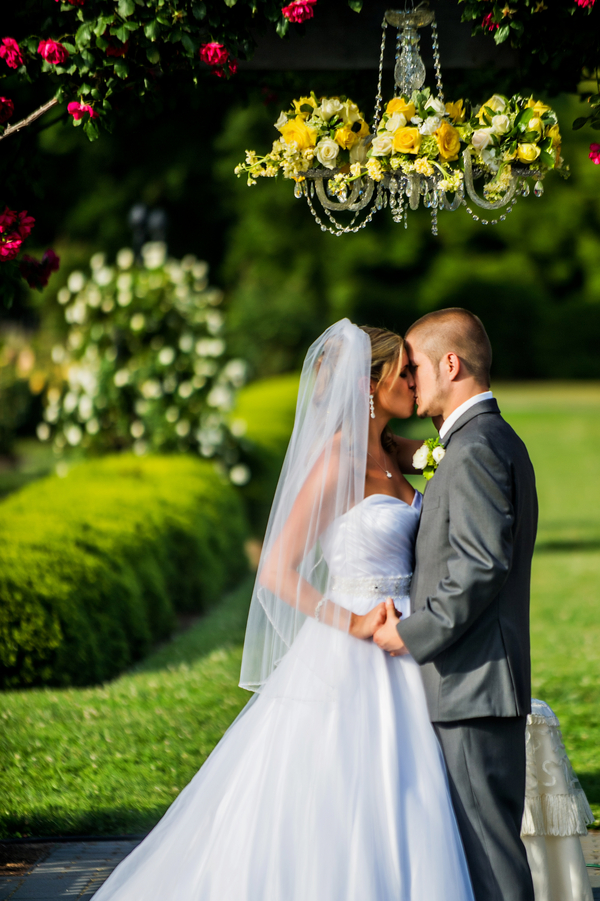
{"x":268,"y":407}
{"x":93,"y":566}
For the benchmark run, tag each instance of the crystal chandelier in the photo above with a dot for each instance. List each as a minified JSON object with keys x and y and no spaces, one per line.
{"x":418,"y":147}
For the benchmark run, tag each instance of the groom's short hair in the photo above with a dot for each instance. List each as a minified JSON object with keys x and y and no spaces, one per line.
{"x":458,"y":331}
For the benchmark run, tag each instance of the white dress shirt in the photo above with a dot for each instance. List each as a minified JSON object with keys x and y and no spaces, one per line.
{"x":456,"y":414}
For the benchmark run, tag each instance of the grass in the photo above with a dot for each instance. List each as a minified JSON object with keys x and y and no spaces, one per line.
{"x":120,"y":753}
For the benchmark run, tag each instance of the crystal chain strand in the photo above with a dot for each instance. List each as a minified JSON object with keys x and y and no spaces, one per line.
{"x":379,"y":98}
{"x":502,"y":218}
{"x":342,"y":231}
{"x":436,"y":59}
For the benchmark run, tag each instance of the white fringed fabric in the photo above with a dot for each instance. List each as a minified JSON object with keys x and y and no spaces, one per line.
{"x":556,"y":813}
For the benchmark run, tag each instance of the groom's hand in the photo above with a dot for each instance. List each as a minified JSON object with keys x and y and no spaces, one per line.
{"x":365,"y":626}
{"x":386,"y":637}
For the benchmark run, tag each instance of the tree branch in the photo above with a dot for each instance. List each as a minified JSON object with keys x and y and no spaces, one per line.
{"x":10,"y":129}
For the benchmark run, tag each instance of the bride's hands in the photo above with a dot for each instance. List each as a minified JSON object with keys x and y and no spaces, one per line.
{"x":366,"y":626}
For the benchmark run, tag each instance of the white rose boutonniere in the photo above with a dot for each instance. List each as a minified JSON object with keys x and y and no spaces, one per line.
{"x":428,"y":456}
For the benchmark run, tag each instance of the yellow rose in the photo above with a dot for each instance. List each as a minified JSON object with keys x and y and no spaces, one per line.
{"x":527,"y":153}
{"x":348,"y":135}
{"x":448,"y":141}
{"x":537,"y":106}
{"x":399,"y":105}
{"x":407,"y":140}
{"x":496,"y":103}
{"x":456,"y":111}
{"x":304,"y":101}
{"x":554,"y":133}
{"x":535,"y":124}
{"x":296,"y":130}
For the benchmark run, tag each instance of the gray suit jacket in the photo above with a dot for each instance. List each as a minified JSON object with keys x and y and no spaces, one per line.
{"x":469,"y":626}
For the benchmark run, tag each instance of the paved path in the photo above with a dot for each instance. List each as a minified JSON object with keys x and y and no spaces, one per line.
{"x":72,"y":870}
{"x":75,"y":870}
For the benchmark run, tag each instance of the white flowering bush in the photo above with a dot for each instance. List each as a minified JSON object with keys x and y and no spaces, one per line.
{"x":144,"y":366}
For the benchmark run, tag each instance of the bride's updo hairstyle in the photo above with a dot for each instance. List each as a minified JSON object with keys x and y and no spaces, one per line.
{"x":386,"y":356}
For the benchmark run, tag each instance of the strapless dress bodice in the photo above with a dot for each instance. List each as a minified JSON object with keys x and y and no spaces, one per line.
{"x":370,"y":552}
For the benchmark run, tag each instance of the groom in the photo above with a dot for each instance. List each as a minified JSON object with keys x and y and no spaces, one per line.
{"x":469,"y":626}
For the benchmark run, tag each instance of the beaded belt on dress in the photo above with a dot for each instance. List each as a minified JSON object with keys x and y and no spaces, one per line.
{"x":372,"y":586}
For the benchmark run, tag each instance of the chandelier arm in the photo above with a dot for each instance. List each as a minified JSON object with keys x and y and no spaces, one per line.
{"x":486,"y":204}
{"x":459,"y":196}
{"x":414,"y":190}
{"x":348,"y":204}
{"x":365,"y":199}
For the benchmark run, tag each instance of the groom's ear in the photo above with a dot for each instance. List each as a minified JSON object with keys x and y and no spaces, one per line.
{"x":451,"y":365}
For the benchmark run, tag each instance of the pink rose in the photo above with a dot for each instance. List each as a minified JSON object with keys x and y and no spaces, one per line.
{"x":595,"y":154}
{"x":214,"y":54}
{"x":7,"y":220}
{"x":299,"y":10}
{"x":11,"y":53}
{"x":585,"y":3}
{"x":7,"y":108}
{"x":53,"y":52}
{"x":37,"y":272}
{"x":229,"y":69}
{"x":78,"y":110}
{"x":74,"y":2}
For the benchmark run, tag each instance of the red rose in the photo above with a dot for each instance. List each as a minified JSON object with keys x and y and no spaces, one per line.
{"x":53,"y":52}
{"x":229,"y":69}
{"x":299,"y":10}
{"x":595,"y":154}
{"x":115,"y":49}
{"x":11,"y":53}
{"x":585,"y":3}
{"x":78,"y":110}
{"x":37,"y":272}
{"x":7,"y":108}
{"x":9,"y":247}
{"x":7,"y":220}
{"x":214,"y":54}
{"x":74,"y":2}
{"x":488,"y":22}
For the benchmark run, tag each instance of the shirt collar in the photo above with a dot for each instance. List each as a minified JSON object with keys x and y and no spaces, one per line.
{"x":456,"y":414}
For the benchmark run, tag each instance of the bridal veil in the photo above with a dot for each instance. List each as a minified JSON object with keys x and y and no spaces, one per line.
{"x":322,"y":478}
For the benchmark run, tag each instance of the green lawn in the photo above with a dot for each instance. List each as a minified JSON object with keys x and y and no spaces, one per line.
{"x":111,"y":759}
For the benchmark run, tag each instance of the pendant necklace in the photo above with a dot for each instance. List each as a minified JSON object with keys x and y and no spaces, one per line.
{"x":387,"y":472}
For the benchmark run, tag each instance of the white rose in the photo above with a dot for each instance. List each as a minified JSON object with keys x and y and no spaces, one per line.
{"x":438,"y":106}
{"x":358,"y":153}
{"x":439,"y":453}
{"x":490,"y":159}
{"x":500,"y":125}
{"x":382,"y":145}
{"x":398,"y":120}
{"x":430,"y":125}
{"x":327,"y":151}
{"x":330,"y":107}
{"x":481,"y":139}
{"x":416,"y":120}
{"x":420,"y":457}
{"x":281,"y":121}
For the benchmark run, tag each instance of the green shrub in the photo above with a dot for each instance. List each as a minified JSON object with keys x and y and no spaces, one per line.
{"x":93,"y":566}
{"x":267,"y":407}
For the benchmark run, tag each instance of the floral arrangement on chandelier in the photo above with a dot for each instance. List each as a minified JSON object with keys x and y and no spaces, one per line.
{"x":418,"y":134}
{"x":144,"y":366}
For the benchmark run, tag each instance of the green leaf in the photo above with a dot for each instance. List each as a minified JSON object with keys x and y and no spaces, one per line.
{"x":121,"y":68}
{"x":547,"y":159}
{"x":230,"y":2}
{"x":84,"y":34}
{"x":355,"y":5}
{"x":579,"y":123}
{"x":282,"y":26}
{"x":152,"y":30}
{"x":121,"y":32}
{"x":126,"y":8}
{"x":102,"y":24}
{"x":595,"y":125}
{"x":199,"y":10}
{"x":153,"y":55}
{"x":501,"y":34}
{"x":530,"y":137}
{"x":188,"y":43}
{"x":91,"y":129}
{"x":524,"y":117}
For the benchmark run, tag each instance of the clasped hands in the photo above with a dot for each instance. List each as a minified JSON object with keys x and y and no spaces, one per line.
{"x":380,"y":625}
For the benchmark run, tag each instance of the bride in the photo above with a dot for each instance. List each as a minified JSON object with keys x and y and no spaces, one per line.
{"x":330,"y":785}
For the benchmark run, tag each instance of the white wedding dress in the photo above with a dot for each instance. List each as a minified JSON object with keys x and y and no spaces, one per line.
{"x":329,"y":786}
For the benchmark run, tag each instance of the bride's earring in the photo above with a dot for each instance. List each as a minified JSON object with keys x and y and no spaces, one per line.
{"x":372,"y":406}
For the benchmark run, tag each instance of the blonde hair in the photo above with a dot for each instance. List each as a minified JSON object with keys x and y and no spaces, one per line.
{"x":386,"y":355}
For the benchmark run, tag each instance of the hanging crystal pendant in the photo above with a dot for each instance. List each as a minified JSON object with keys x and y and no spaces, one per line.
{"x":409,"y":73}
{"x":538,"y":189}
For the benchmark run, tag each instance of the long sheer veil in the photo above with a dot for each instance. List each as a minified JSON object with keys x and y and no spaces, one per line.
{"x":322,"y":478}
